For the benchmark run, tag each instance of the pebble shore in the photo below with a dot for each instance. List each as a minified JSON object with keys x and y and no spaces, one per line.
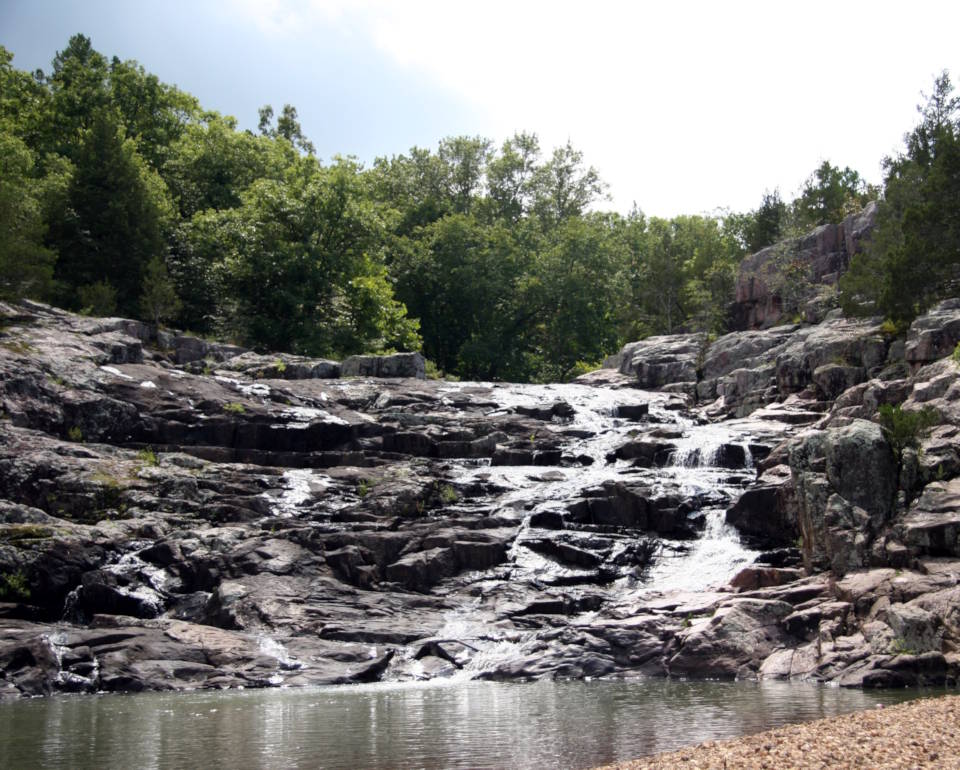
{"x":918,"y":734}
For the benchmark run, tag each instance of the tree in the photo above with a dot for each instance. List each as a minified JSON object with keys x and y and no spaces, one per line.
{"x":830,"y":194}
{"x":563,"y":188}
{"x":25,"y":101}
{"x":26,"y":265}
{"x":159,"y":301}
{"x":576,"y":289}
{"x":465,"y":160}
{"x":510,"y":177}
{"x":414,"y":185}
{"x":457,"y":279}
{"x":211,"y":164}
{"x":152,"y":113}
{"x":79,"y":90}
{"x":299,"y":266}
{"x":913,"y":258}
{"x":115,"y":214}
{"x":287,"y":127}
{"x":767,"y":224}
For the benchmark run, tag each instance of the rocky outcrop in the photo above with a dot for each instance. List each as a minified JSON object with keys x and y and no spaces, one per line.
{"x":825,"y":253}
{"x":932,"y":524}
{"x":395,"y":365}
{"x":178,"y":516}
{"x":282,"y":367}
{"x":934,"y":335}
{"x":734,"y":641}
{"x":846,"y":482}
{"x":744,"y":371}
{"x":659,"y":361}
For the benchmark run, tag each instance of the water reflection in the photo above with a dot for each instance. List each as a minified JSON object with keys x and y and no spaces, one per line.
{"x":466,"y":725}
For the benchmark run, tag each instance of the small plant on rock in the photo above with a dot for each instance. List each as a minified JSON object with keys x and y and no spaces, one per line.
{"x":148,"y":457}
{"x":17,"y":533}
{"x":899,"y":646}
{"x":890,"y":328}
{"x":904,"y":429}
{"x":75,"y":434}
{"x":448,"y":495}
{"x":232,"y":407}
{"x":14,"y":586}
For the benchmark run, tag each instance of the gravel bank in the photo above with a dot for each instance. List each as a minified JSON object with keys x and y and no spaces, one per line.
{"x":918,"y":734}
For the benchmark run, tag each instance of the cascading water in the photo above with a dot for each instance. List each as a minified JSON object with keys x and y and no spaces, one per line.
{"x":717,"y":555}
{"x":554,"y":569}
{"x":694,"y":471}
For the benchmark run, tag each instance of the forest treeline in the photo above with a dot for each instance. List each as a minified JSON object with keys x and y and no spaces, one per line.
{"x":121,"y":194}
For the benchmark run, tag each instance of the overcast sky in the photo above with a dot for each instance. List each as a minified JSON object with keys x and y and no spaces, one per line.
{"x":683,"y":107}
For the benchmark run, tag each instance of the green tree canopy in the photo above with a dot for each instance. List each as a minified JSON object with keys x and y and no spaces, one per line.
{"x":114,"y":219}
{"x":914,"y":256}
{"x":830,"y":194}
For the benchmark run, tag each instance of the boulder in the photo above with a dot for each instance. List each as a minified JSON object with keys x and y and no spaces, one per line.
{"x":848,"y":343}
{"x":420,"y":570}
{"x":658,"y":361}
{"x":845,"y":481}
{"x":932,"y":525}
{"x":283,"y":366}
{"x":934,"y":334}
{"x":766,"y":512}
{"x":915,"y":629}
{"x":647,"y":453}
{"x":734,"y":642}
{"x":411,"y":365}
{"x":832,"y":379}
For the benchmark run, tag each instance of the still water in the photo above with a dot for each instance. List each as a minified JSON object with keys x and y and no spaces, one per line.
{"x":462,"y":725}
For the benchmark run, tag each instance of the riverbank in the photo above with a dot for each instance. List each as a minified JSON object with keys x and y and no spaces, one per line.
{"x":918,"y":734}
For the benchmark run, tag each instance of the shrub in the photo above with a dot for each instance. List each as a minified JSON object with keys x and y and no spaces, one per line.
{"x":75,"y":434}
{"x":583,"y":367}
{"x":900,"y":646}
{"x":98,"y":299}
{"x":903,"y":430}
{"x":891,"y":328}
{"x":14,"y":586}
{"x":16,"y":533}
{"x":147,"y":457}
{"x":232,"y":407}
{"x":448,"y":495}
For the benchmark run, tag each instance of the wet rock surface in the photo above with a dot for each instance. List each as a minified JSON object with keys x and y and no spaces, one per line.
{"x":176,"y":514}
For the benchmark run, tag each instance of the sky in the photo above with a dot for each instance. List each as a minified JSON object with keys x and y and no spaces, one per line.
{"x":683,"y":107}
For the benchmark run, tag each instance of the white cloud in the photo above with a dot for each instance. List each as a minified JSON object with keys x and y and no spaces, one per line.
{"x":682,"y":106}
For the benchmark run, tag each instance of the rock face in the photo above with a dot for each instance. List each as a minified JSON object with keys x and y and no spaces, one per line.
{"x":180,"y":515}
{"x":934,"y":335}
{"x":396,"y":365}
{"x":846,"y":483}
{"x":658,"y":361}
{"x":744,"y":371}
{"x":826,"y":252}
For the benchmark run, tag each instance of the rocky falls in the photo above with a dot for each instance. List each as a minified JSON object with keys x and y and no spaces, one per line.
{"x":180,"y":514}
